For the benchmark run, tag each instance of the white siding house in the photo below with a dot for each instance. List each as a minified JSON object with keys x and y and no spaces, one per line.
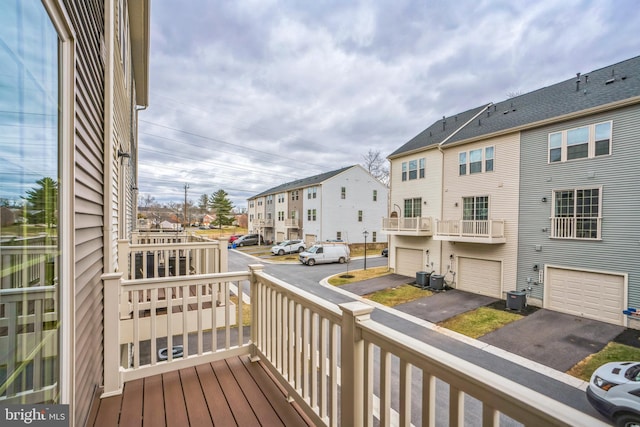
{"x":341,"y":204}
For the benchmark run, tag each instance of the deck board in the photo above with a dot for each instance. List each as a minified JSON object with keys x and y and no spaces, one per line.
{"x":228,"y":392}
{"x":197,"y":409}
{"x":216,"y":400}
{"x":130,"y":415}
{"x":153,"y":402}
{"x":240,"y":408}
{"x":176,"y":413}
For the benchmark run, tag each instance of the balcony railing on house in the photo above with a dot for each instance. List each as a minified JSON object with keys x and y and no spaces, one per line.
{"x":28,"y":319}
{"x":421,"y":226}
{"x":340,"y":366}
{"x":265,"y":223}
{"x":576,"y":228}
{"x":292,"y":223}
{"x":489,"y":231}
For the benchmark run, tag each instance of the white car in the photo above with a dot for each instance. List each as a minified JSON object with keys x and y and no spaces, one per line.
{"x":614,"y":390}
{"x":288,"y":246}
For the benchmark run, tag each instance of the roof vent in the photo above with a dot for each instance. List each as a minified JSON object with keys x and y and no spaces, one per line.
{"x":608,"y":82}
{"x":444,"y":122}
{"x":577,"y":82}
{"x":479,"y":122}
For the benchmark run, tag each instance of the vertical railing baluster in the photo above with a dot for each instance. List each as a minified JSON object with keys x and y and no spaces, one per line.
{"x":405,"y":393}
{"x":154,"y":331}
{"x":428,"y":399}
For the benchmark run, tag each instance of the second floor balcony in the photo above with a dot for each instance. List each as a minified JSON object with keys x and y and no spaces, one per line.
{"x":265,"y":223}
{"x":489,"y":231}
{"x":419,"y":226}
{"x":292,"y":223}
{"x":192,"y":344}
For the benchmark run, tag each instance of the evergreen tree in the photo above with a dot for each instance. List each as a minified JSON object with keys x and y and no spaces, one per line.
{"x":221,"y":206}
{"x":42,"y":202}
{"x":203,"y":203}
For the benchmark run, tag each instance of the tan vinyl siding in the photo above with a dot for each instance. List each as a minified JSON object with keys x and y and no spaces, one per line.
{"x":501,"y":186}
{"x":88,"y":18}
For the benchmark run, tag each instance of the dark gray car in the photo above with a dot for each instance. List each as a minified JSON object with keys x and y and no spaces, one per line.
{"x":248,"y":240}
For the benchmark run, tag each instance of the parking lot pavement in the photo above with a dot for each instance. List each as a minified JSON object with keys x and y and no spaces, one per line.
{"x":553,"y":339}
{"x":444,"y":305}
{"x":548,"y":338}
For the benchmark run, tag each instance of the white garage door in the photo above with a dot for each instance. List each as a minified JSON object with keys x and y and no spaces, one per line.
{"x":480,"y":276}
{"x":598,"y":296}
{"x":408,"y":261}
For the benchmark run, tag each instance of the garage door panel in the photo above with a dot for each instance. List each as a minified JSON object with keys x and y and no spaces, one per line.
{"x":598,"y":296}
{"x":408,"y":261}
{"x":480,"y":276}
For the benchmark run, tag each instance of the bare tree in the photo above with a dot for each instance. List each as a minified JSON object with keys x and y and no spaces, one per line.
{"x":376,"y":164}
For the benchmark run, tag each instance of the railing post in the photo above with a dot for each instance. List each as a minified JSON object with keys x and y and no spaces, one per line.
{"x":111,"y":324}
{"x":352,"y":363}
{"x":123,"y":258}
{"x":224,"y":255}
{"x":253,"y":288}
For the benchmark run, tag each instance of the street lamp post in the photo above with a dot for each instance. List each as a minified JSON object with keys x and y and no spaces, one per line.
{"x":365,"y":233}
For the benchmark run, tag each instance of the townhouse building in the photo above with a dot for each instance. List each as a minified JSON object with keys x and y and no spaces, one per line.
{"x":534,"y":193}
{"x":340,"y":204}
{"x":74,"y":77}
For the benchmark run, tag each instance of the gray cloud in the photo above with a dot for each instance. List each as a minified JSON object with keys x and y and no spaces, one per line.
{"x":252,"y":94}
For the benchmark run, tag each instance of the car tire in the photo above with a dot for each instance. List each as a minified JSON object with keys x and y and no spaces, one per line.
{"x":341,"y":260}
{"x":627,"y":420}
{"x":301,"y":249}
{"x":241,"y":244}
{"x":311,"y":261}
{"x":281,"y":252}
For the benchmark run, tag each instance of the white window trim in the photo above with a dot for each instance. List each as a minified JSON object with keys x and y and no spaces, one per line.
{"x":591,"y":152}
{"x":66,"y":35}
{"x":599,"y":217}
{"x":483,"y":160}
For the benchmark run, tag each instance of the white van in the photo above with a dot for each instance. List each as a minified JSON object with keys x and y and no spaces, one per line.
{"x":325,"y":253}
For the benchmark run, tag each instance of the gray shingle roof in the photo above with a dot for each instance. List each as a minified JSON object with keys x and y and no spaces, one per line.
{"x":301,"y":183}
{"x":599,"y":87}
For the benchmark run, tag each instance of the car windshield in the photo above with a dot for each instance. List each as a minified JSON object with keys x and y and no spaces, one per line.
{"x":633,"y":373}
{"x":313,"y":249}
{"x":285,"y":243}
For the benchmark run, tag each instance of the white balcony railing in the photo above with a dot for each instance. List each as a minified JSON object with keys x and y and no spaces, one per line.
{"x":481,"y":231}
{"x":292,"y":223}
{"x":421,"y":226}
{"x":336,"y":362}
{"x":163,"y":259}
{"x":265,"y":223}
{"x":576,"y":228}
{"x":22,"y":266}
{"x":28,"y":339}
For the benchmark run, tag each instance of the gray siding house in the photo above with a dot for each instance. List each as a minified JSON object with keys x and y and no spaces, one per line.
{"x":538,"y":194}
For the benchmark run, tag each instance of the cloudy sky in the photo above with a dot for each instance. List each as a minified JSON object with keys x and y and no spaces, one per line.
{"x":247,"y":95}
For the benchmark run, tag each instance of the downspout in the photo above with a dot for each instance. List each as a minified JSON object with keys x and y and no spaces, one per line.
{"x":444,"y":141}
{"x":108,"y":137}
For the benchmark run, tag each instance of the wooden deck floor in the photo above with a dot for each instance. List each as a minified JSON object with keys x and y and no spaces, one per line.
{"x":231,"y":392}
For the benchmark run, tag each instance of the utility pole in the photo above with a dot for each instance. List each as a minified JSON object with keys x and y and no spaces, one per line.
{"x":186,"y":220}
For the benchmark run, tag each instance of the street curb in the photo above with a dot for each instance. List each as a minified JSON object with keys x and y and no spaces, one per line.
{"x":530,"y":364}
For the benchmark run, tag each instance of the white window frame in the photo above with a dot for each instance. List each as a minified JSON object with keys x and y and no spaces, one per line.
{"x":591,"y":142}
{"x":465,"y":163}
{"x":67,"y":62}
{"x":570,"y":230}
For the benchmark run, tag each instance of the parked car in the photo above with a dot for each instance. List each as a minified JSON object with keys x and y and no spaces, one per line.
{"x":234,"y":238}
{"x":288,"y":246}
{"x":248,"y":240}
{"x":324,"y":253}
{"x":614,"y":390}
{"x":385,"y":252}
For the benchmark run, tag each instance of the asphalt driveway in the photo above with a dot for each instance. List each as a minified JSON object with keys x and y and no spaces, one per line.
{"x":550,"y":338}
